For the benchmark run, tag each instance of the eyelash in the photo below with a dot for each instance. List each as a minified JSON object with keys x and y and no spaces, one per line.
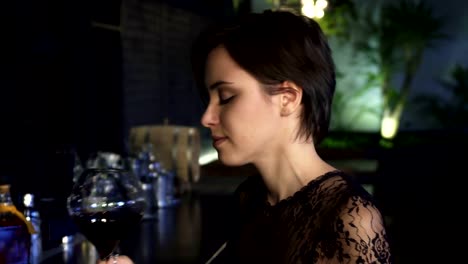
{"x":225,"y":101}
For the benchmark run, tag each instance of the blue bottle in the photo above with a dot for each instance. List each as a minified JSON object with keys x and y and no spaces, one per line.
{"x":31,"y":213}
{"x":15,"y":231}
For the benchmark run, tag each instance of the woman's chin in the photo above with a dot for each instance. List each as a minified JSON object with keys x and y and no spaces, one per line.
{"x":230,"y":161}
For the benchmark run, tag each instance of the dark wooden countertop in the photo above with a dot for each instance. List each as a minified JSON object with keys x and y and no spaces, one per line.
{"x":189,"y":232}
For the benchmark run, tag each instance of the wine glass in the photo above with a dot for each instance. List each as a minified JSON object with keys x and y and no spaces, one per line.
{"x":105,"y":204}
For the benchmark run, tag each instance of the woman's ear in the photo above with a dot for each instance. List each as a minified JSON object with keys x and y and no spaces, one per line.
{"x":290,"y":98}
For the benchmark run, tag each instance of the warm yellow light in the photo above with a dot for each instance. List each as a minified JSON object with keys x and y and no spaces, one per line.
{"x":308,"y":10}
{"x":389,"y":127}
{"x":319,"y":13}
{"x":314,"y":9}
{"x":321,"y":4}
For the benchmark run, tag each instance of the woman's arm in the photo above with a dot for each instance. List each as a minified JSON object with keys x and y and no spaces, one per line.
{"x":362,"y":233}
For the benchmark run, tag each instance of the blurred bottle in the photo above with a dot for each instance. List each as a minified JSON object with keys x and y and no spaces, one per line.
{"x":146,"y":159}
{"x":158,"y":183}
{"x":146,"y":170}
{"x":15,"y":231}
{"x":165,"y":191}
{"x":33,"y":216}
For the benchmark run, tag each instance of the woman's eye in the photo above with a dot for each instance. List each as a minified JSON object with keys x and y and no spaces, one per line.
{"x":225,"y":101}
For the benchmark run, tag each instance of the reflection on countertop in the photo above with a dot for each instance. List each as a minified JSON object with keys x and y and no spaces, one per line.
{"x":188,"y":232}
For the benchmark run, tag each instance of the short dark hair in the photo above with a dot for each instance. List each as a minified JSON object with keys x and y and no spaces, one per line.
{"x":277,"y":46}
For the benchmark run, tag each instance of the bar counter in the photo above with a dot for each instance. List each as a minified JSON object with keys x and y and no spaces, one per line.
{"x":189,"y":232}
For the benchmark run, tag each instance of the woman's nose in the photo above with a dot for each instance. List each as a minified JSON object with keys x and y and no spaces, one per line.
{"x":210,"y":117}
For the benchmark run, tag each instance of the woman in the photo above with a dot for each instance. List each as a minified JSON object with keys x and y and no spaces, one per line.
{"x":119,"y":260}
{"x":269,"y":80}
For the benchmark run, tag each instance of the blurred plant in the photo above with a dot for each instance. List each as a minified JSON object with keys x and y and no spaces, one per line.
{"x":394,"y":37}
{"x":343,"y":120}
{"x":345,"y":140}
{"x":241,"y":6}
{"x":403,"y":32}
{"x":388,"y":40}
{"x":356,"y":102}
{"x":452,"y":111}
{"x":293,"y":4}
{"x":339,"y":18}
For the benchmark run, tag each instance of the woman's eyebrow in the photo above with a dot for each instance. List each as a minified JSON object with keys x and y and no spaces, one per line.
{"x":217,"y":83}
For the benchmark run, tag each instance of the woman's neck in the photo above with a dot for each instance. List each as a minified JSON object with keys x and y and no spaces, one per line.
{"x":290,"y":169}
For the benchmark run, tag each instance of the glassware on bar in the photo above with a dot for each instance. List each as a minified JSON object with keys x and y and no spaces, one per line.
{"x":105,"y":205}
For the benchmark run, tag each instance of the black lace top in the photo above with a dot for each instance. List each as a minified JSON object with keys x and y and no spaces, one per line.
{"x":330,"y":220}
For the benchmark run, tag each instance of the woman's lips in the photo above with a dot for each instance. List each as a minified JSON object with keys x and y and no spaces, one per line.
{"x":218,"y":140}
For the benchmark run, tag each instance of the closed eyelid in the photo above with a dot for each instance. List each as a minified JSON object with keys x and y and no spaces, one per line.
{"x":226,"y":99}
{"x":219,"y":95}
{"x":222,"y":91}
{"x":225,"y":91}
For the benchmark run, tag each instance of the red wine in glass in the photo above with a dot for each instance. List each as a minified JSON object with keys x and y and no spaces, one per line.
{"x":105,"y":205}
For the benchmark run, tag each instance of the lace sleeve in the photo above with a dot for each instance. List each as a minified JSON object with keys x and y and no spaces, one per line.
{"x":361,"y":233}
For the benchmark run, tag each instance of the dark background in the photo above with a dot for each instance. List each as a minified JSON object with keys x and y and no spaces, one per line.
{"x":64,"y":89}
{"x":78,"y":74}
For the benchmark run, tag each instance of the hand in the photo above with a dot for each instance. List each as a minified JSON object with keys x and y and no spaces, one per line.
{"x":120,"y":260}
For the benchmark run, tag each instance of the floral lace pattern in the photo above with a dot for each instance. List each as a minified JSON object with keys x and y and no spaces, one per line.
{"x":330,"y":220}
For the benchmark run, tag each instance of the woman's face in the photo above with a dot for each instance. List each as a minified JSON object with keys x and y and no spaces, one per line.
{"x":242,"y":117}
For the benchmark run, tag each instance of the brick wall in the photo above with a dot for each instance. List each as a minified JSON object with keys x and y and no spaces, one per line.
{"x":157,"y":81}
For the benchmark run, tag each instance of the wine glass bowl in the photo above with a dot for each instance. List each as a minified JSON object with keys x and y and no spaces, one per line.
{"x":105,"y":204}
